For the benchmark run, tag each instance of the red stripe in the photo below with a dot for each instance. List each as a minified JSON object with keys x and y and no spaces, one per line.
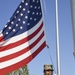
{"x":1,"y":38}
{"x":9,"y":57}
{"x":22,"y":63}
{"x":12,"y":45}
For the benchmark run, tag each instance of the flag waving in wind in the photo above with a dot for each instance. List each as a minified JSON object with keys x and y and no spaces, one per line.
{"x":22,"y":37}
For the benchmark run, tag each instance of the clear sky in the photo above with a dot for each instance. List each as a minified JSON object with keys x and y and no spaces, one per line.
{"x":7,"y":8}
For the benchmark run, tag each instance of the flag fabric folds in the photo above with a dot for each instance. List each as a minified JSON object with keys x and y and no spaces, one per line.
{"x":73,"y":20}
{"x":22,"y":37}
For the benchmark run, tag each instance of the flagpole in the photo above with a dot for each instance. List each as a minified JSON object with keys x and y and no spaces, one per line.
{"x":57,"y":40}
{"x":73,"y":21}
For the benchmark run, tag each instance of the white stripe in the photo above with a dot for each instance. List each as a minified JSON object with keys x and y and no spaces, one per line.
{"x":23,"y":35}
{"x":23,"y":46}
{"x":22,"y":57}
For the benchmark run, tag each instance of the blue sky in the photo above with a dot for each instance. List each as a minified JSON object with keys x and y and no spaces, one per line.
{"x":8,"y":7}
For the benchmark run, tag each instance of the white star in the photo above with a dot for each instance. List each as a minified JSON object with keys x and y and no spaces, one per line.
{"x":31,"y":18}
{"x":20,"y":6}
{"x":28,"y":24}
{"x":14,"y":30}
{"x":37,"y":13}
{"x":24,"y":22}
{"x":33,"y":0}
{"x":31,"y":6}
{"x":24,"y":9}
{"x":6,"y":26}
{"x":28,"y":11}
{"x":35,"y":7}
{"x":21,"y":14}
{"x":22,"y":1}
{"x":21,"y":27}
{"x":40,"y":13}
{"x":16,"y":25}
{"x":15,"y":17}
{"x":17,"y":11}
{"x":33,"y":13}
{"x":19,"y":19}
{"x":26,"y":4}
{"x":35,"y":19}
{"x":37,"y":1}
{"x":8,"y":20}
{"x":9,"y":28}
{"x":39,"y":7}
{"x":6,"y":32}
{"x":12,"y":22}
{"x":26,"y":17}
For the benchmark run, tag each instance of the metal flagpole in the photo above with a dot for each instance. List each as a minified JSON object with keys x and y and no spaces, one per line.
{"x":57,"y":39}
{"x":73,"y":21}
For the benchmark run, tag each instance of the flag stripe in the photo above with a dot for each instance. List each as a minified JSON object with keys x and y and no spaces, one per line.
{"x":23,"y":56}
{"x":23,"y":62}
{"x":23,"y":35}
{"x":22,"y":46}
{"x":22,"y":51}
{"x":4,"y":48}
{"x":1,"y":38}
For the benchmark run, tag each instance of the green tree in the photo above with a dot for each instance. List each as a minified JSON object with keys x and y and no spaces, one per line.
{"x":22,"y":71}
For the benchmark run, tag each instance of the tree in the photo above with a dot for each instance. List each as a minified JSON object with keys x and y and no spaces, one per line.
{"x":21,"y":71}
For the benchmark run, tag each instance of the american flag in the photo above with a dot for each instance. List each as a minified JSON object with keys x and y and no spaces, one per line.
{"x":22,"y":37}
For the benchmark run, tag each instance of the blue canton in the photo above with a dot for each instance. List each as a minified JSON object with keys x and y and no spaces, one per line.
{"x":26,"y":16}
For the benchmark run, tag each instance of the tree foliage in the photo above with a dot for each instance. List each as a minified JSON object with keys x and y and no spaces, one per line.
{"x":22,"y":71}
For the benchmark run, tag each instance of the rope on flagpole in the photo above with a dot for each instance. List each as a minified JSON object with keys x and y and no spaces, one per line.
{"x":51,"y":60}
{"x":45,"y":34}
